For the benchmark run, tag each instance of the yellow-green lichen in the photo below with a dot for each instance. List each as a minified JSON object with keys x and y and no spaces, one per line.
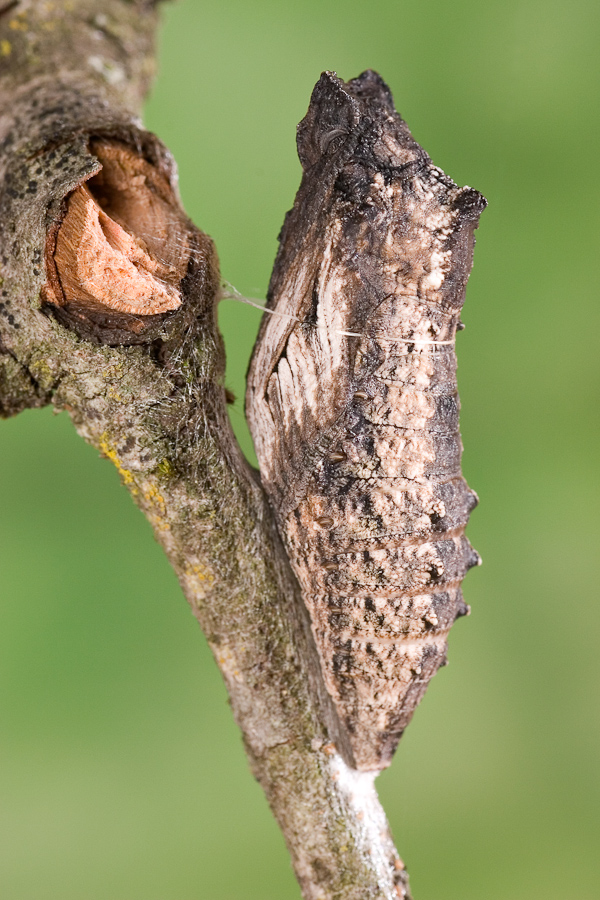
{"x":200,"y":573}
{"x":165,"y":468}
{"x":40,"y":369}
{"x":107,"y":450}
{"x":153,"y":496}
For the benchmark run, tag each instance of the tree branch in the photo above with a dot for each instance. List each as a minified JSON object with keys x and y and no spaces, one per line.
{"x":147,"y":391}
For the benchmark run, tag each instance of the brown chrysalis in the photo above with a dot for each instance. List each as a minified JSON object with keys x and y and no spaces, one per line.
{"x":353,"y":407}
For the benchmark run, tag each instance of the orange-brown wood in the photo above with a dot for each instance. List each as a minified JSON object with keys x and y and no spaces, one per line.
{"x":123,"y":243}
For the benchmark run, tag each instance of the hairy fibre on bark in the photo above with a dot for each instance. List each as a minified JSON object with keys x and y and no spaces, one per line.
{"x":142,"y":380}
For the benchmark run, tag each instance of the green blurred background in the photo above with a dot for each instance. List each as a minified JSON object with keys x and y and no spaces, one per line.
{"x":122,"y":775}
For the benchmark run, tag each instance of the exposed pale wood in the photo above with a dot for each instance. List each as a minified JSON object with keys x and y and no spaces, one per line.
{"x":97,"y":261}
{"x":123,"y":243}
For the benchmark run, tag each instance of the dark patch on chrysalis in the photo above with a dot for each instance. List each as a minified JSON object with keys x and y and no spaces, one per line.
{"x":357,"y":434}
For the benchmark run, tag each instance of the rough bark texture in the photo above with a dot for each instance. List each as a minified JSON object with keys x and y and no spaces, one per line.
{"x":147,"y":391}
{"x":353,"y":406}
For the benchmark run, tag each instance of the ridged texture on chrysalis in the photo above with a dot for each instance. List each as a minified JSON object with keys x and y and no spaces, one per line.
{"x":353,"y":406}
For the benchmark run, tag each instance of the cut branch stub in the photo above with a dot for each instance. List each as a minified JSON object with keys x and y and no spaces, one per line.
{"x":116,"y":259}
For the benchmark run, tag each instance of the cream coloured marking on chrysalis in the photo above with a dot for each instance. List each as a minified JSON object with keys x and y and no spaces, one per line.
{"x":440,"y":265}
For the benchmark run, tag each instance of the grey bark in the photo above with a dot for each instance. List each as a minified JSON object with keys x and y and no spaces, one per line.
{"x":152,"y":400}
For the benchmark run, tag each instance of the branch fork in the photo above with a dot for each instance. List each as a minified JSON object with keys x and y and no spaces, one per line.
{"x":108,"y":311}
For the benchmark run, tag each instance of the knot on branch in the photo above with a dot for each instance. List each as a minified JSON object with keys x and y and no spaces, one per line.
{"x":117,"y":258}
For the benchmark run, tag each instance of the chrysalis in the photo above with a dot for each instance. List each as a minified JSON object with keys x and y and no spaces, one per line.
{"x":353,"y":407}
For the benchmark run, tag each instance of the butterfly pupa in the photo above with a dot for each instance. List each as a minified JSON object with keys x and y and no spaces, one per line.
{"x":353,"y":406}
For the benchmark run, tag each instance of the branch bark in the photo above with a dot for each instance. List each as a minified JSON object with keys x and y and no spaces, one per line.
{"x":147,"y":391}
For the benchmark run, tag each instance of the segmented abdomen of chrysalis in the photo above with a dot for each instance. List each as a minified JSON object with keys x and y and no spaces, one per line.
{"x":353,"y":406}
